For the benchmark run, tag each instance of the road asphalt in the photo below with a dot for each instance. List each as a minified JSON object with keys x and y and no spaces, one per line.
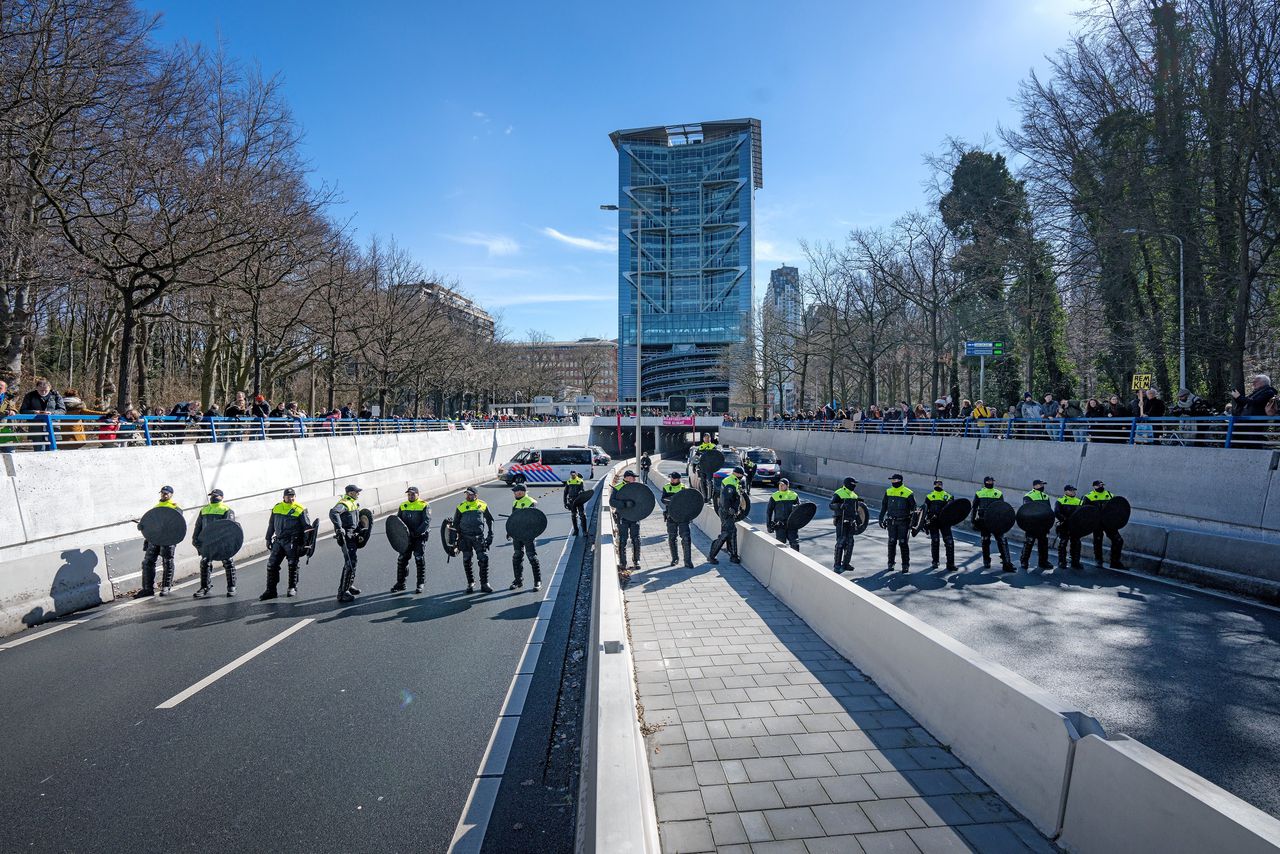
{"x":1192,"y":675}
{"x":361,"y":730}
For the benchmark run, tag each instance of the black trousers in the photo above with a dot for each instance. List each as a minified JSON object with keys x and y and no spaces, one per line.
{"x":206,"y":571}
{"x":899,"y":530}
{"x":520,"y":549}
{"x":844,"y":545}
{"x":348,"y":578}
{"x":782,"y":535}
{"x":474,"y":546}
{"x":578,"y":515}
{"x":681,"y":530}
{"x":1117,"y":544}
{"x":1042,"y":547}
{"x":419,"y":559}
{"x":728,"y":538}
{"x":1001,"y":544}
{"x":943,"y":534}
{"x":150,"y":553}
{"x":282,"y":550}
{"x":628,"y":532}
{"x":1063,"y":539}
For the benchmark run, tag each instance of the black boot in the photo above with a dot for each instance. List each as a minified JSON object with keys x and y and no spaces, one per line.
{"x":293,"y":579}
{"x":906,"y":557}
{"x":893,"y":553}
{"x":951,"y":557}
{"x":933,"y":552}
{"x":422,"y":575}
{"x":715,"y":549}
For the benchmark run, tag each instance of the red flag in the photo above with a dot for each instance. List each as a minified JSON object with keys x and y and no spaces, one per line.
{"x":619,"y":431}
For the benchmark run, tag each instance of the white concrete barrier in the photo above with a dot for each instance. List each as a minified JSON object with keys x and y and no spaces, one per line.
{"x":67,"y":536}
{"x":1126,"y":797}
{"x":616,"y":805}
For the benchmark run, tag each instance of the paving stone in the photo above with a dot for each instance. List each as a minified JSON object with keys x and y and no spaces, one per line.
{"x":892,"y":814}
{"x":788,"y":846}
{"x":776,"y":745}
{"x":772,"y":768}
{"x":746,"y":728}
{"x":734,"y":772}
{"x":735,"y":748}
{"x":726,"y":829}
{"x":939,"y":840}
{"x":801,"y":793}
{"x":701,"y":750}
{"x":717,"y":799}
{"x":679,"y":806}
{"x":755,"y":796}
{"x":993,"y":838}
{"x":709,"y":773}
{"x":891,"y":842}
{"x":670,"y":755}
{"x":834,"y":845}
{"x":679,"y":779}
{"x":686,"y":837}
{"x":793,"y":823}
{"x":853,"y":762}
{"x":845,"y":789}
{"x":890,"y":784}
{"x":812,"y":765}
{"x":939,"y":810}
{"x":785,"y":725}
{"x":839,"y":819}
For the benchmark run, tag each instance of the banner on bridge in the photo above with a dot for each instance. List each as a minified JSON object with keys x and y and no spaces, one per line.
{"x":678,"y":421}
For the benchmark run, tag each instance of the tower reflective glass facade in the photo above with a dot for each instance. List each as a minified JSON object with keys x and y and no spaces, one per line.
{"x":686,"y":226}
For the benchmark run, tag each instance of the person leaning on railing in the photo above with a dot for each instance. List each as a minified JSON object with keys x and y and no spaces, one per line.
{"x":1253,"y":404}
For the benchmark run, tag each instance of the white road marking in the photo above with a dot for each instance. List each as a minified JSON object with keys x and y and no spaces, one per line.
{"x":225,"y":669}
{"x":51,"y":631}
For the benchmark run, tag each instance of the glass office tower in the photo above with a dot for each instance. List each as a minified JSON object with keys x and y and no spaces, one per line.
{"x":686,"y":199}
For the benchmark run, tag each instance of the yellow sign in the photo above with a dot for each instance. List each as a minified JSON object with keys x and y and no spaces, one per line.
{"x":1141,"y":382}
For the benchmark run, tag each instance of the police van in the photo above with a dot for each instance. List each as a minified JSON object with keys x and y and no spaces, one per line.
{"x":549,"y":466}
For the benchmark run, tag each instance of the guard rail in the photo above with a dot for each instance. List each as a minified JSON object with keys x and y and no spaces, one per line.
{"x":1217,"y":431}
{"x":61,"y":432}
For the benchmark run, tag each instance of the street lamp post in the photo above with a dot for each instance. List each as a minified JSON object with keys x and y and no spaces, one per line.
{"x":1182,"y":302}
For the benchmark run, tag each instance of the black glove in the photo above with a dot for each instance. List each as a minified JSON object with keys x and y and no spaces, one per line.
{"x":883,"y":522}
{"x":268,"y":545}
{"x":488,"y":541}
{"x":770,"y":527}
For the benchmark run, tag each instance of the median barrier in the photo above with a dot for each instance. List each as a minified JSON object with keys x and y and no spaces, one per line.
{"x":58,"y":509}
{"x":1126,"y":797}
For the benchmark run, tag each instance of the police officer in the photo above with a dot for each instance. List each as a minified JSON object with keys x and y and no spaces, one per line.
{"x":345,"y":516}
{"x":1099,"y":495}
{"x":674,"y":528}
{"x":707,"y":445}
{"x":416,"y":516}
{"x":1068,"y":505}
{"x":286,"y":526}
{"x":844,"y":503}
{"x":933,"y":504}
{"x":522,"y":547}
{"x":628,"y":532}
{"x":781,"y":503}
{"x":749,"y":471}
{"x":215,"y":509}
{"x":896,"y":507}
{"x":572,"y":489}
{"x":1041,"y":541}
{"x":474,"y":524}
{"x":981,"y":500}
{"x":645,"y":465}
{"x":151,"y":551}
{"x":729,"y":508}
{"x":735,"y":479}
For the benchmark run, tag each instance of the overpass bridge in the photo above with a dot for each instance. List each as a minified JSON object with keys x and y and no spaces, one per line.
{"x":507,"y":721}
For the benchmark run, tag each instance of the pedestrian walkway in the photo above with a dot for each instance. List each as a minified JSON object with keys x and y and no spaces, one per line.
{"x":765,"y":740}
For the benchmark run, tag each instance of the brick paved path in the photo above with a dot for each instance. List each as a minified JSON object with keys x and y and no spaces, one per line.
{"x":771,"y":742}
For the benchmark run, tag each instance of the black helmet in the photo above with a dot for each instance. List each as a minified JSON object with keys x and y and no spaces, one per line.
{"x":988,"y":479}
{"x":895,"y":477}
{"x":850,"y":483}
{"x":739,"y":470}
{"x":215,"y":493}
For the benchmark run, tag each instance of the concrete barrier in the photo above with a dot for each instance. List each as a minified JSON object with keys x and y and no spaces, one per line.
{"x":1230,"y":542}
{"x":1126,"y":797}
{"x":616,"y":809}
{"x":67,"y":536}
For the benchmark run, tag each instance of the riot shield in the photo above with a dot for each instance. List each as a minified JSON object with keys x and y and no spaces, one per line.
{"x":861,"y":517}
{"x":802,"y":514}
{"x":449,"y":537}
{"x":583,"y":498}
{"x":997,"y":518}
{"x":685,"y":506}
{"x":364,"y":527}
{"x":398,"y":535}
{"x":1085,"y":521}
{"x":636,"y":502}
{"x":709,"y":463}
{"x":952,"y":513}
{"x":310,"y":535}
{"x":1035,"y":518}
{"x":526,"y":524}
{"x":220,"y":539}
{"x":1115,"y":513}
{"x":917,"y":520}
{"x":163,"y":526}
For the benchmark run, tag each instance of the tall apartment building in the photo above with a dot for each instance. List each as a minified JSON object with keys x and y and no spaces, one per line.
{"x":783,"y":300}
{"x":686,"y":226}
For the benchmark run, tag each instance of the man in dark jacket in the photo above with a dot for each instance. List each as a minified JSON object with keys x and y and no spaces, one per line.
{"x":416,"y":516}
{"x":474,"y":524}
{"x":572,"y":489}
{"x":896,"y":507}
{"x":345,"y":516}
{"x":1252,"y":404}
{"x":781,"y":504}
{"x":43,"y":400}
{"x":215,"y":509}
{"x":286,"y":526}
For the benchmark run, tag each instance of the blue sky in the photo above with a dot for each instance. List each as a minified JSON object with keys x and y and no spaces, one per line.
{"x":476,"y":134}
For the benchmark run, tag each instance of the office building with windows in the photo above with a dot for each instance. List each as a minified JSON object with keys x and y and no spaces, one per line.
{"x":784,"y":305}
{"x":686,"y":226}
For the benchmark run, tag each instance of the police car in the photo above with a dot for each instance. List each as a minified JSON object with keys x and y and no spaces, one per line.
{"x":550,"y":466}
{"x":768,"y":466}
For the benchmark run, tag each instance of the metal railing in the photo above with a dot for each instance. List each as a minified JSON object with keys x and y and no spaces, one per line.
{"x":1216,"y":431}
{"x":65,"y":432}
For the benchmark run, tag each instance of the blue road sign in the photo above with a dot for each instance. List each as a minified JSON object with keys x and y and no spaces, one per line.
{"x":984,"y":348}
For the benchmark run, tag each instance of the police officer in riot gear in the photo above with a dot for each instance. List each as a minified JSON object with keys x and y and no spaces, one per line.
{"x":1100,"y":496}
{"x":416,"y":516}
{"x":628,"y":532}
{"x":1041,"y":541}
{"x":749,"y":473}
{"x":844,"y":502}
{"x":474,"y":524}
{"x":895,"y":516}
{"x":676,"y":529}
{"x":572,"y":489}
{"x":345,"y":516}
{"x":729,"y":508}
{"x":1068,"y":505}
{"x":215,"y":509}
{"x":286,"y":526}
{"x":933,"y":504}
{"x":645,"y":465}
{"x":781,"y":503}
{"x":981,"y":499}
{"x":522,"y":548}
{"x":151,"y":552}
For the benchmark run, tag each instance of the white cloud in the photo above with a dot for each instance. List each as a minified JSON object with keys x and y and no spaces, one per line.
{"x":534,"y":299}
{"x":580,"y":242}
{"x":509,"y":129}
{"x":494,"y":244}
{"x":768,"y":252}
{"x":479,"y":115}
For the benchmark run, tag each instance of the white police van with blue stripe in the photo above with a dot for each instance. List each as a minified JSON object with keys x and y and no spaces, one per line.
{"x":547,"y":466}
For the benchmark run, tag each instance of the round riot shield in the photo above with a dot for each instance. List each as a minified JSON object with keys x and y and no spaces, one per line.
{"x":801,"y":515}
{"x":163,"y":526}
{"x":1115,"y":513}
{"x":526,"y":524}
{"x":220,"y":539}
{"x":685,"y":506}
{"x":710,"y":462}
{"x":582,"y":499}
{"x":1035,"y":518}
{"x":952,"y":513}
{"x":635,"y":502}
{"x":1085,"y":521}
{"x":364,"y":527}
{"x":917,"y":520}
{"x":449,"y":537}
{"x":398,"y":534}
{"x":861,"y":517}
{"x":310,"y":535}
{"x":997,"y":518}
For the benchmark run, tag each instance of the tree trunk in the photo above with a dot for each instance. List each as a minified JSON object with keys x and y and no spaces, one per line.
{"x":129,"y":320}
